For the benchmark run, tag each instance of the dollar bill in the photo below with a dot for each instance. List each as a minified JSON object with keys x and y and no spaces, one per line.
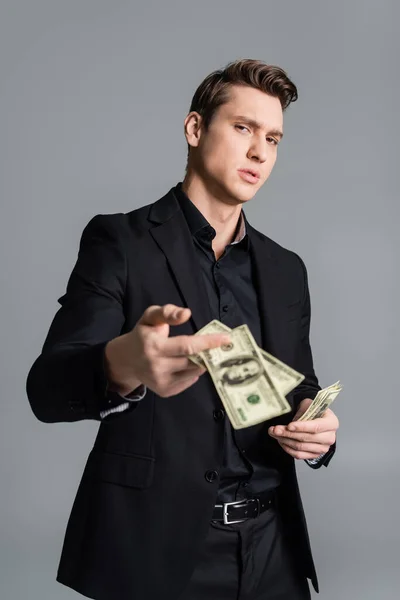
{"x":321,"y":402}
{"x":325,"y":403}
{"x":331,"y":393}
{"x":313,"y":408}
{"x":242,"y":381}
{"x":285,"y":378}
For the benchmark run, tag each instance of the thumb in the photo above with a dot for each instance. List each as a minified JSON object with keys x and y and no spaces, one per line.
{"x":303,"y":406}
{"x":169,"y":314}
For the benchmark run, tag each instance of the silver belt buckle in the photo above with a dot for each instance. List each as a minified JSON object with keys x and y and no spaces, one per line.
{"x":225,"y":511}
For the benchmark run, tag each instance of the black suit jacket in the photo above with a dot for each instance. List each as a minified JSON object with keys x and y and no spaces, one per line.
{"x":144,"y":503}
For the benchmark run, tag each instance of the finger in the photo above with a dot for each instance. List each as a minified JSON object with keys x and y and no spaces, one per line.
{"x":169,"y":314}
{"x":180,"y":364}
{"x":315,"y":426}
{"x":171,"y":379}
{"x":316,"y":448}
{"x":185,"y":345}
{"x":304,"y":405}
{"x":193,"y":371}
{"x":322,"y":438}
{"x":299,"y":455}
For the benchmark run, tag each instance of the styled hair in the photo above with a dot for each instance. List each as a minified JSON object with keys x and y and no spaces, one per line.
{"x":214,"y":89}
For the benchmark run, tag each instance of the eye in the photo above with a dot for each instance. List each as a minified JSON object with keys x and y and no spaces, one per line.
{"x":273,"y":140}
{"x":242,"y":127}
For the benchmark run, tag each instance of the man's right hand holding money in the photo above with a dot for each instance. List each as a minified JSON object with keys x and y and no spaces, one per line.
{"x":147,"y":355}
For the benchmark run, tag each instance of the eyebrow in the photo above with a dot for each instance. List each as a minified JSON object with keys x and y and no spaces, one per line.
{"x":257,"y":125}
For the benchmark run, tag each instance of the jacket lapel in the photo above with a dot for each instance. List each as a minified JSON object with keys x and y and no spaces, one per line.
{"x":272,"y":292}
{"x":173,"y":237}
{"x":268,"y":287}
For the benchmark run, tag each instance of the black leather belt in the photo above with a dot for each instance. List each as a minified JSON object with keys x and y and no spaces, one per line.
{"x":241,"y":510}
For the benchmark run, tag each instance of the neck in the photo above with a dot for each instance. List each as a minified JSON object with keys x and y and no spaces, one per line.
{"x":221,"y":215}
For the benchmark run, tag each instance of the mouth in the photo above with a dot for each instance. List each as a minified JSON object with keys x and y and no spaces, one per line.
{"x":249,"y":175}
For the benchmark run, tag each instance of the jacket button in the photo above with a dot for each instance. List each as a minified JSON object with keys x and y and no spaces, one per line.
{"x":218,"y":414}
{"x":211,"y":476}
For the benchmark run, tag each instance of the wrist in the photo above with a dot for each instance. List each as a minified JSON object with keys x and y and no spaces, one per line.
{"x":119,"y":378}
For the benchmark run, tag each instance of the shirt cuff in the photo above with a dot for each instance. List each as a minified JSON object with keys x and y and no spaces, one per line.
{"x":137,"y":394}
{"x":314,"y":461}
{"x":134,"y":396}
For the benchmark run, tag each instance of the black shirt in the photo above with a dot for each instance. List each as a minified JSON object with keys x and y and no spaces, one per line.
{"x":231,"y":292}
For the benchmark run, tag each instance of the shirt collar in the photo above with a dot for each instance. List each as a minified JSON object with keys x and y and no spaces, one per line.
{"x":198,"y":224}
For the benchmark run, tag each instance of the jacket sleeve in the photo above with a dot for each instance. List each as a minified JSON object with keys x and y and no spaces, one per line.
{"x":67,"y":382}
{"x":323,"y":460}
{"x":309,"y":387}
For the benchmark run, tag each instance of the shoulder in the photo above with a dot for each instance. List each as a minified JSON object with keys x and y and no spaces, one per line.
{"x":140,"y":220}
{"x":119,"y":225}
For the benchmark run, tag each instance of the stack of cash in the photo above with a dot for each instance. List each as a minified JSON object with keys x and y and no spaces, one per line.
{"x":251,"y":383}
{"x":321,"y":402}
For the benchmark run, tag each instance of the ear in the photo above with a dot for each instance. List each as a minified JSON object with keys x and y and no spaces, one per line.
{"x":193,"y":127}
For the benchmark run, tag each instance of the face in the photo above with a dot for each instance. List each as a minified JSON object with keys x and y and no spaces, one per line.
{"x":241,"y":373}
{"x":236,"y":155}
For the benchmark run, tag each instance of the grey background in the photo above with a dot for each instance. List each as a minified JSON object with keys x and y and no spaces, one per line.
{"x":92,"y":100}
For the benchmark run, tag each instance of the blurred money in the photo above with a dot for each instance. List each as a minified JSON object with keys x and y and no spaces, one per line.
{"x":284,"y":378}
{"x":321,"y":402}
{"x":242,"y":381}
{"x":251,"y":383}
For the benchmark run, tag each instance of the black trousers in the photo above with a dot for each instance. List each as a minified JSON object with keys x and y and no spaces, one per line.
{"x":247,"y":561}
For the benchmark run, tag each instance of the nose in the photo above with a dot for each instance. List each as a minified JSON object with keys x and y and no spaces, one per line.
{"x":258,"y":149}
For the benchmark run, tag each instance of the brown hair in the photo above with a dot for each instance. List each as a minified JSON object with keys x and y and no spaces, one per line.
{"x":214,"y":89}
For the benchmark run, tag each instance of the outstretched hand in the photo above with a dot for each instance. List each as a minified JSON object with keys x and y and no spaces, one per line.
{"x":148,"y":355}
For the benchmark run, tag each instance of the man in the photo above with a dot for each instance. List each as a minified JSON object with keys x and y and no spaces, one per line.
{"x":173,"y":502}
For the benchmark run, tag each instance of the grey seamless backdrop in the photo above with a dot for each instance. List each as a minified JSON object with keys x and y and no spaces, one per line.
{"x":92,"y":100}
